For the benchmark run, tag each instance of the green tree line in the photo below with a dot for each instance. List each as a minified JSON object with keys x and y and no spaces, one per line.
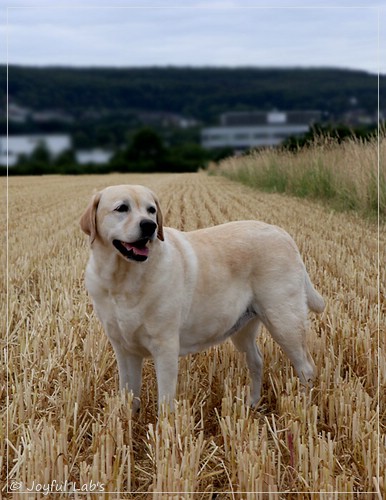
{"x":202,"y":93}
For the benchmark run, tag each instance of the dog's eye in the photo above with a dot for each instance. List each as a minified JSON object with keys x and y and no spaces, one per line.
{"x":151,"y":210}
{"x":122,"y":208}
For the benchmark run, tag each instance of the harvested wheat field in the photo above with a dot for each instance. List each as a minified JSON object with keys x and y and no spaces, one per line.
{"x":65,"y":428}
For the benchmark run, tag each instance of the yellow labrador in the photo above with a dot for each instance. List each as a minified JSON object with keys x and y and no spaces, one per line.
{"x":164,"y":293}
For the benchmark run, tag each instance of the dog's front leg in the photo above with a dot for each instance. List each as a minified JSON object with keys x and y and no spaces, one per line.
{"x":130,"y":373}
{"x":166,"y":367}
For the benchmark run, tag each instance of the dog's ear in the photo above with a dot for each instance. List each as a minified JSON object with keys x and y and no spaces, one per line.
{"x":160,"y":230}
{"x":88,"y":219}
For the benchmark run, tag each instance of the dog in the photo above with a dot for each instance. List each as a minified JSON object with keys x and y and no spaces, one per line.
{"x":164,"y":293}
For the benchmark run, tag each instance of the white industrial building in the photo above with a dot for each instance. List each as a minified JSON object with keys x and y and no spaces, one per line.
{"x":245,"y":130}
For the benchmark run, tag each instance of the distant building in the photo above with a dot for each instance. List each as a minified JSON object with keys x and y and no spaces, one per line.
{"x":17,"y":113}
{"x":25,"y":145}
{"x":21,"y":114}
{"x":166,"y":119}
{"x":51,"y":116}
{"x":362,"y":118}
{"x":245,"y":130}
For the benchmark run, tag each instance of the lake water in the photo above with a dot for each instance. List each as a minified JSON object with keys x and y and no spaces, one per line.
{"x":55,"y":143}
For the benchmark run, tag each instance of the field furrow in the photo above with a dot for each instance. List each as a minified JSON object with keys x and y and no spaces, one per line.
{"x":65,"y":421}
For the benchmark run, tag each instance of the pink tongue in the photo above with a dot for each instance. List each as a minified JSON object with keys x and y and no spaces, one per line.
{"x":138,"y":251}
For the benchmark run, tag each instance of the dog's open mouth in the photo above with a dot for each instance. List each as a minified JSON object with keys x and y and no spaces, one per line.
{"x":138,"y":250}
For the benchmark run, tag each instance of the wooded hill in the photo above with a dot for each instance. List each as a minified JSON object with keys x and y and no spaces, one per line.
{"x":201,"y":93}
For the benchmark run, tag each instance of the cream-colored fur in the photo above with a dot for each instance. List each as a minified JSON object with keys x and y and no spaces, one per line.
{"x":192,"y":289}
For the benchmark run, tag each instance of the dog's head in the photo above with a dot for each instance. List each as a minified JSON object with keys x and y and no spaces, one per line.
{"x":127,"y":217}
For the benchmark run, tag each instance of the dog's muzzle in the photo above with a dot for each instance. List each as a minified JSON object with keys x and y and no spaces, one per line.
{"x":138,"y":250}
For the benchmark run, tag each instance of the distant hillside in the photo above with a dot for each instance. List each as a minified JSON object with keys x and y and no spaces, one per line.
{"x":201,"y":93}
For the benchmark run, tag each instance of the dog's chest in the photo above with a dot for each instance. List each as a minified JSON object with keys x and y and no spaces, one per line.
{"x":121,"y":311}
{"x":124,"y":323}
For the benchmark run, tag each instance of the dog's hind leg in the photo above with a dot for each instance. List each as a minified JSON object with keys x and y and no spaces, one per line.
{"x":288,"y":325}
{"x":245,"y":341}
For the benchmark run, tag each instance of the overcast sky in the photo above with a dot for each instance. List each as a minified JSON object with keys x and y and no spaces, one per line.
{"x":327,"y":33}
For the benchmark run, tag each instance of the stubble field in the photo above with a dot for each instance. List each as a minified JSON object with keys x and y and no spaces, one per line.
{"x":65,"y":427}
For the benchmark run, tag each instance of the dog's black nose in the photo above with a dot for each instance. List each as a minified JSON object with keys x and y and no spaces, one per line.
{"x":147,"y":227}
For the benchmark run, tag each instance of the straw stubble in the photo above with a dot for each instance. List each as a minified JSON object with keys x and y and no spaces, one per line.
{"x":67,"y":422}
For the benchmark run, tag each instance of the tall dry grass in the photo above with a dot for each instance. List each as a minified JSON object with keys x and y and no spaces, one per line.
{"x":64,"y":425}
{"x":347,"y":175}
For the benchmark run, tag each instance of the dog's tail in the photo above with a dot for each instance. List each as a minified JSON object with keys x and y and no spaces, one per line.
{"x":314,"y":300}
